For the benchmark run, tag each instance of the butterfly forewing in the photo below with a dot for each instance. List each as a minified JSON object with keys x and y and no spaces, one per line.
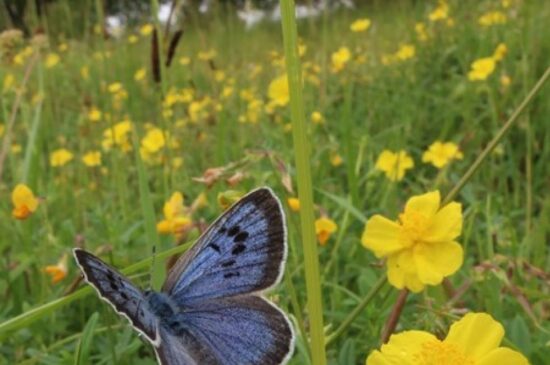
{"x":242,"y":252}
{"x":120,"y":293}
{"x":242,"y":330}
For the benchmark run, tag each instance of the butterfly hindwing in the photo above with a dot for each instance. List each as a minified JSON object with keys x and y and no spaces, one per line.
{"x":242,"y":252}
{"x":120,"y":293}
{"x":241,"y":330}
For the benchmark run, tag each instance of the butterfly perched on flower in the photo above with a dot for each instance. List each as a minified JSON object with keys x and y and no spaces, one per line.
{"x":210,"y":310}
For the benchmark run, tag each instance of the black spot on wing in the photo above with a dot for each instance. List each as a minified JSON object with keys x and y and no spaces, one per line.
{"x":228,"y":275}
{"x":228,"y":263}
{"x":241,"y":236}
{"x":215,"y":247}
{"x":233,"y":231}
{"x":238,"y":249}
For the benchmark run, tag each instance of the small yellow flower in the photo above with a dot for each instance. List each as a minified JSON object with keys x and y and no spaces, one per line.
{"x":154,"y":140}
{"x":294,"y":204}
{"x":208,"y":55}
{"x":278,"y":91}
{"x":394,"y":165}
{"x":441,"y":12}
{"x":317,"y":118}
{"x":140,"y":74}
{"x":94,"y":114}
{"x":24,"y":202}
{"x":474,"y":339}
{"x":85,"y":72}
{"x":340,"y":58}
{"x":505,"y":82}
{"x":146,"y":29}
{"x":176,"y":219}
{"x":500,"y":52}
{"x":8,"y":82}
{"x":441,"y":154}
{"x":481,"y":69}
{"x":492,"y":18}
{"x":92,"y":158}
{"x":59,"y":271}
{"x":360,"y":25}
{"x":335,"y":159}
{"x":405,"y":52}
{"x":324,"y":228}
{"x":52,"y":59}
{"x":60,"y":157}
{"x":184,"y":61}
{"x":118,"y":135}
{"x":115,"y":87}
{"x":420,"y":247}
{"x":421,"y":32}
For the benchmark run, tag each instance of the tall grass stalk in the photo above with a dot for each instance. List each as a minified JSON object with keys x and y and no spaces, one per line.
{"x":305,"y":191}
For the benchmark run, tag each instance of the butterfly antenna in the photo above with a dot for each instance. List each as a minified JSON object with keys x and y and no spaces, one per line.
{"x":152,"y":267}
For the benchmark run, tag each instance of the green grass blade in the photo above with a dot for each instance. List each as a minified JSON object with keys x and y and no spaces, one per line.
{"x":305,"y":191}
{"x":83,"y":349}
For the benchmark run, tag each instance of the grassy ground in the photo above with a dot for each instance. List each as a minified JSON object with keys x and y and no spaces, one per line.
{"x":214,"y":110}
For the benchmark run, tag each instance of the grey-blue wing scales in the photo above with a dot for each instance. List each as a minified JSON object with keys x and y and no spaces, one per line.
{"x":242,"y":330}
{"x":120,"y":293}
{"x":242,"y":252}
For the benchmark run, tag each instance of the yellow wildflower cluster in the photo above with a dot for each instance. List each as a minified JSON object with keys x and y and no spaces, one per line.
{"x":482,"y":68}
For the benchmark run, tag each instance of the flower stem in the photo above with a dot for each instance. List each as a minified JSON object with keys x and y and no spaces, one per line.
{"x":391,"y":323}
{"x":305,"y":193}
{"x":497,"y":138}
{"x":351,"y":317}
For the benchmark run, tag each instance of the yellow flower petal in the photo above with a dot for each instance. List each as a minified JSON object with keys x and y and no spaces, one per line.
{"x":503,"y":355}
{"x":427,"y":204}
{"x":446,"y":224}
{"x":476,"y":334}
{"x":402,"y":272}
{"x":401,"y":349}
{"x":435,"y":261}
{"x":381,"y":235}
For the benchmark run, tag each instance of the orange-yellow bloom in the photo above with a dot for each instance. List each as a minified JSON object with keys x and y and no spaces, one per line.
{"x":481,"y":69}
{"x":176,"y":219}
{"x":278,"y":91}
{"x":58,"y":272}
{"x":294,"y":204}
{"x":60,"y":157}
{"x":474,"y":339}
{"x":24,"y":202}
{"x":420,"y":247}
{"x":360,"y":25}
{"x":441,"y":154}
{"x":340,"y":58}
{"x":324,"y":228}
{"x":394,"y":164}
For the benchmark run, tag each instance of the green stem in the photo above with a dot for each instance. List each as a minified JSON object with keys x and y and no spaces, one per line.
{"x":305,"y":193}
{"x":498,"y":137}
{"x":351,"y":317}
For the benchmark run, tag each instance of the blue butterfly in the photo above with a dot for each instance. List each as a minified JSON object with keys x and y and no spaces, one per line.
{"x":210,"y":310}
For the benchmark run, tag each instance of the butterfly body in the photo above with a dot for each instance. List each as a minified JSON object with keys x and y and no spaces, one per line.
{"x":210,"y":310}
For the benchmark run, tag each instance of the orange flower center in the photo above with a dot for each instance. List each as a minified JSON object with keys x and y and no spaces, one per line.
{"x":439,"y":353}
{"x":413,"y":226}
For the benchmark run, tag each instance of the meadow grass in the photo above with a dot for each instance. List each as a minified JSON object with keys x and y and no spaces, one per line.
{"x":215,"y":112}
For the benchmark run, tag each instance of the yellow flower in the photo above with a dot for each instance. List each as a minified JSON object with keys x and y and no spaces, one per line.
{"x":52,"y":59}
{"x":500,"y":52}
{"x":317,"y":118}
{"x":176,"y":220}
{"x":24,"y":202}
{"x":58,"y":272}
{"x":335,"y":159}
{"x":278,"y":91}
{"x":115,"y":87}
{"x":405,"y":52}
{"x":441,"y":12}
{"x":421,"y":33}
{"x":60,"y":157}
{"x":481,"y":69}
{"x":394,"y":165}
{"x":117,"y":135}
{"x":324,"y":228}
{"x":440,"y":153}
{"x":140,"y":74}
{"x":294,"y":204}
{"x":340,"y":58}
{"x":154,"y":140}
{"x":94,"y":114}
{"x":360,"y":25}
{"x":208,"y":55}
{"x":505,"y":82}
{"x":92,"y":159}
{"x":420,"y":247}
{"x":146,"y":29}
{"x":492,"y":18}
{"x":474,"y":339}
{"x":132,"y":39}
{"x":184,"y":61}
{"x":85,"y":72}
